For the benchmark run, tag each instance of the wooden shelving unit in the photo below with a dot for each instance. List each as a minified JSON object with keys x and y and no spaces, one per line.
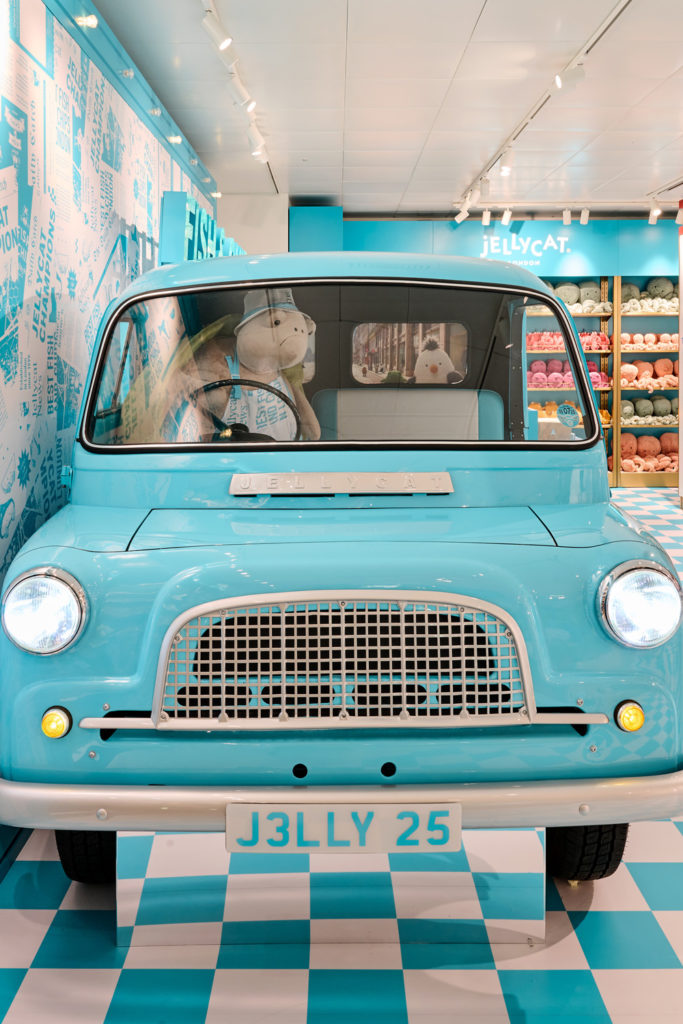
{"x":622,"y":479}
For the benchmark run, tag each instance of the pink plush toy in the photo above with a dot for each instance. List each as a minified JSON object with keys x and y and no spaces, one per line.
{"x":647,"y":446}
{"x":663,"y":367}
{"x":595,"y":380}
{"x":625,"y":338}
{"x":555,"y":380}
{"x":554,"y":366}
{"x":638,"y":340}
{"x":629,"y":372}
{"x":538,"y":366}
{"x":568,"y":379}
{"x":629,"y":446}
{"x":669,"y":444}
{"x":592,"y":367}
{"x":644,"y":369}
{"x":539,"y":379}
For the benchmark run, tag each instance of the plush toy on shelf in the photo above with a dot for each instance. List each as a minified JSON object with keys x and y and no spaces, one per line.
{"x":649,"y":454}
{"x":660,"y":375}
{"x":659,"y":296}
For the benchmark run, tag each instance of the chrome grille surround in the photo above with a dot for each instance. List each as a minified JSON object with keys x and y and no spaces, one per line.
{"x":333,"y":659}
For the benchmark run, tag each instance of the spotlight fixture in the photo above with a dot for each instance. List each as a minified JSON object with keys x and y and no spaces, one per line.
{"x":655,"y":212}
{"x":251,"y":105}
{"x":486,"y":218}
{"x":175,"y":140}
{"x":213,"y":27}
{"x":679,"y":216}
{"x":87,"y":21}
{"x":570,"y":77}
{"x":566,"y":217}
{"x":507,"y":217}
{"x":585,"y":214}
{"x":506,"y":161}
{"x":216,"y":195}
{"x":155,"y":112}
{"x":462,"y":215}
{"x":128,"y":73}
{"x":255,"y":141}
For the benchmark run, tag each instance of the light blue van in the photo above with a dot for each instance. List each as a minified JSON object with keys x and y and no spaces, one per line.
{"x":325,"y":579}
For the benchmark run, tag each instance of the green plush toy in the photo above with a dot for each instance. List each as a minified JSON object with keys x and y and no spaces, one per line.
{"x":644,"y":407}
{"x":589,"y":291}
{"x":674,"y":406}
{"x":660,"y":288}
{"x":629,"y":291}
{"x":568,"y":292}
{"x":661,"y":406}
{"x":627,"y":410}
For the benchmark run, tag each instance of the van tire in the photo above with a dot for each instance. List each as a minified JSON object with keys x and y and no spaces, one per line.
{"x":584,"y":853}
{"x":88,"y":857}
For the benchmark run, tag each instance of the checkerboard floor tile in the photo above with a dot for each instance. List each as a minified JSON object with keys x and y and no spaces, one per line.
{"x":613,"y":952}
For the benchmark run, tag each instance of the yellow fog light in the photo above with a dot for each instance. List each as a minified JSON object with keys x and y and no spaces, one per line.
{"x":629,"y":716}
{"x":55,"y":723}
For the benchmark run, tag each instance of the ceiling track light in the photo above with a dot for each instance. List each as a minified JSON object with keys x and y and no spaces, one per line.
{"x":256,"y":141}
{"x":566,"y":217}
{"x":570,"y":77}
{"x":583,"y":217}
{"x":213,"y":28}
{"x":655,"y":212}
{"x":507,"y":217}
{"x":462,"y":215}
{"x":506,"y":161}
{"x":486,"y":218}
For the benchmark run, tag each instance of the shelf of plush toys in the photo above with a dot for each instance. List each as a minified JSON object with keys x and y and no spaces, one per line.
{"x":646,"y":401}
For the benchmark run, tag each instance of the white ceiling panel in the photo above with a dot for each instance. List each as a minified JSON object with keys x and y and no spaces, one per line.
{"x":408,"y":103}
{"x":393,"y":93}
{"x":522,"y":20}
{"x":271,"y":21}
{"x":380,"y":59}
{"x":401,"y":21}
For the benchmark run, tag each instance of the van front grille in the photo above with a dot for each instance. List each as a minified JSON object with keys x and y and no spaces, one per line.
{"x":344,"y":662}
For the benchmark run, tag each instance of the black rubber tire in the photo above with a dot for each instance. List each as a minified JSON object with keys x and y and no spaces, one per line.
{"x":584,"y":853}
{"x":88,"y":857}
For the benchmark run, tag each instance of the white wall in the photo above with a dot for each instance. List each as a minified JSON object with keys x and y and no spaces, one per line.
{"x":260,"y":224}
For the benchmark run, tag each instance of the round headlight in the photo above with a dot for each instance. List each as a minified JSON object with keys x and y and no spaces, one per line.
{"x":641,"y":604}
{"x":44,"y":611}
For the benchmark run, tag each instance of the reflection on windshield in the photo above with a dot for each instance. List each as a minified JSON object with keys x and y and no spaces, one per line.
{"x":335,"y":363}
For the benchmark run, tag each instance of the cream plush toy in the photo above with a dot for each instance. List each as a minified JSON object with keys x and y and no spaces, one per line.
{"x":268,"y":347}
{"x":434,"y":366}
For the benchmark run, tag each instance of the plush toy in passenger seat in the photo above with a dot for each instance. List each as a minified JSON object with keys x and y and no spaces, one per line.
{"x":434,"y":366}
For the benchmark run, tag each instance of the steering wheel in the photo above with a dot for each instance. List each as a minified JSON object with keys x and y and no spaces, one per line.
{"x":228,"y":431}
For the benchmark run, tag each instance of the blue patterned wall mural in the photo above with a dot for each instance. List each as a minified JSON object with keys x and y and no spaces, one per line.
{"x":81,"y":179}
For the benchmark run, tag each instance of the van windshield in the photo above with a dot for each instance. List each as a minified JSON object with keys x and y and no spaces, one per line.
{"x":338,"y":363}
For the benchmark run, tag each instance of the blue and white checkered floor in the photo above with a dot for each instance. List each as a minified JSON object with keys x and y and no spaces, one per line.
{"x":613,"y":951}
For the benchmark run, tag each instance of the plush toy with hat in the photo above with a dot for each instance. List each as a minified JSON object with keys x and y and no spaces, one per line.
{"x":267,"y":347}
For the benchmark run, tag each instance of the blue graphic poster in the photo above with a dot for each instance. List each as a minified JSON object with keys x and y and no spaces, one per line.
{"x":81,"y":179}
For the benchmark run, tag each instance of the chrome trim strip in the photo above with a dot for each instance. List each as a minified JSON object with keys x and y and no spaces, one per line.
{"x":193,"y":725}
{"x":202,"y":808}
{"x":340,"y":483}
{"x":394,"y":596}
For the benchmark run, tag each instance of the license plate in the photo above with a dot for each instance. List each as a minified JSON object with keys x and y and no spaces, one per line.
{"x":343,"y":828}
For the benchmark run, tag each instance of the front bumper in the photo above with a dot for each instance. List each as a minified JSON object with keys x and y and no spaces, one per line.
{"x":203,"y":809}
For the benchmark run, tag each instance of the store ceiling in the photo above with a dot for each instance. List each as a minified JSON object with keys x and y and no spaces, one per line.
{"x":396,"y":107}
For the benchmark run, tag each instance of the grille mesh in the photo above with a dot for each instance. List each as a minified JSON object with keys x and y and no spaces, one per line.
{"x":339,"y":662}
